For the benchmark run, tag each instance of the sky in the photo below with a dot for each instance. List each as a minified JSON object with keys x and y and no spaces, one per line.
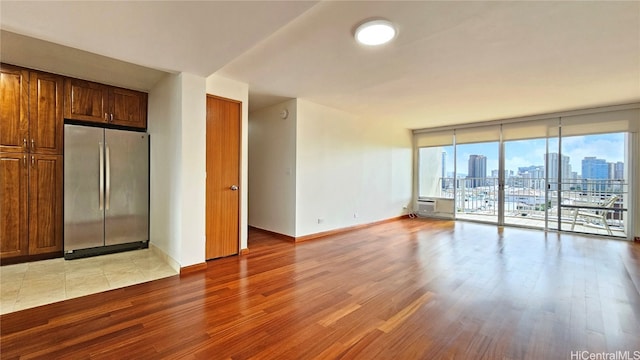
{"x":522,"y":153}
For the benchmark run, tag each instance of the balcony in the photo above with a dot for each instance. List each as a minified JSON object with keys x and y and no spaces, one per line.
{"x":585,"y":206}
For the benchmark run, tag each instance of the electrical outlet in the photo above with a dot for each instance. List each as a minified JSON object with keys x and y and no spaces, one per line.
{"x":355,"y":215}
{"x":320,"y":220}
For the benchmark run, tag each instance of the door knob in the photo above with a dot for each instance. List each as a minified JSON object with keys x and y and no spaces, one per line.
{"x":233,"y":187}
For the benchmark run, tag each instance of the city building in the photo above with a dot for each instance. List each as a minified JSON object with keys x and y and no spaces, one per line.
{"x":595,"y":173}
{"x":552,"y":162}
{"x":477,"y":170}
{"x":616,"y":170}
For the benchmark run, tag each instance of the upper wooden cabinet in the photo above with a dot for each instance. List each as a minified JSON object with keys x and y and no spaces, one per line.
{"x":129,"y":108}
{"x":30,"y":111}
{"x":14,"y":108}
{"x":93,"y":102}
{"x":85,"y":100}
{"x":46,"y":124}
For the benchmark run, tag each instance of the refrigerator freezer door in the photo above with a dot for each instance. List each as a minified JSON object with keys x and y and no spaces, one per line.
{"x":126,"y":187}
{"x":83,"y":187}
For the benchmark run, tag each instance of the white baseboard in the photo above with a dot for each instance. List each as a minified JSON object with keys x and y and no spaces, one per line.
{"x":164,"y":256}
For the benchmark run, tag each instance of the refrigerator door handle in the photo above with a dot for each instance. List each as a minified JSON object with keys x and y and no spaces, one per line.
{"x":101,"y":194}
{"x":108,"y":179}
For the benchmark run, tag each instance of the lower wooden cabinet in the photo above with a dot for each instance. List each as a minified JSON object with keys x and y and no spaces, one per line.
{"x":30,"y":204}
{"x":14,"y":188}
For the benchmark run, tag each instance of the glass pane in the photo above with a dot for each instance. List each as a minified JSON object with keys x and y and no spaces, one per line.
{"x":477,"y":182}
{"x":435,"y":169}
{"x":595,"y":189}
{"x":525,"y":183}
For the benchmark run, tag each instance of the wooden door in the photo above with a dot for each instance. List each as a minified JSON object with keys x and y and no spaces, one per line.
{"x":223,"y":177}
{"x":85,"y":100}
{"x":45,"y":204}
{"x":46,"y":124}
{"x":14,"y":108}
{"x":129,"y":108}
{"x":14,"y":237}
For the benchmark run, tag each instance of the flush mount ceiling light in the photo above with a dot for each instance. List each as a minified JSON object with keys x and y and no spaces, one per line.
{"x":375,"y":32}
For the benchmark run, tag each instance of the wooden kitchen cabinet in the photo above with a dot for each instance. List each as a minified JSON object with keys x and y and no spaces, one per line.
{"x":14,"y":235}
{"x":14,"y":108}
{"x":31,"y":171}
{"x":30,"y":204}
{"x":30,"y":111}
{"x":45,"y":204}
{"x":85,"y":100}
{"x":46,"y":123}
{"x":98,"y":103}
{"x":129,"y":108}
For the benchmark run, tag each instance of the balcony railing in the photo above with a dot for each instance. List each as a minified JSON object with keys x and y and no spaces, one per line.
{"x":590,"y":206}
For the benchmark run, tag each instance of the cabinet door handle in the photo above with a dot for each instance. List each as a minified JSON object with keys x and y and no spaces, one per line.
{"x":111,"y":117}
{"x":33,"y":144}
{"x":33,"y":161}
{"x":24,"y":160}
{"x":106,"y":117}
{"x":24,"y":142}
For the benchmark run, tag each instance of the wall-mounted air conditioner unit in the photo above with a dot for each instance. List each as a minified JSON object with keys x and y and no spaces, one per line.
{"x":442,"y":208}
{"x":426,"y":207}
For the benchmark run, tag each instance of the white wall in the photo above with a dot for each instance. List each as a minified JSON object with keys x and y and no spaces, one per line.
{"x":193,"y":169}
{"x":272,"y":169}
{"x":232,"y":89}
{"x":350,"y":170}
{"x":177,"y":119}
{"x":165,"y":128}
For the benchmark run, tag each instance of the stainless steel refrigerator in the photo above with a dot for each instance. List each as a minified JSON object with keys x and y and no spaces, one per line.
{"x":106,"y":190}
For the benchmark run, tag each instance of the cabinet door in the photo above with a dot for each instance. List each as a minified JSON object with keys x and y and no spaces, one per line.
{"x":45,"y":203}
{"x":46,"y":124}
{"x":13,"y":205}
{"x":129,"y":108}
{"x":14,"y":108}
{"x":85,"y":100}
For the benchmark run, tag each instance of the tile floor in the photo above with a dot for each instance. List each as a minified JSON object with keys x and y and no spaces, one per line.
{"x":28,"y":285}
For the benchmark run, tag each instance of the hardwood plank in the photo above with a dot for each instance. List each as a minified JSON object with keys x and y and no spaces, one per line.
{"x":410,"y":289}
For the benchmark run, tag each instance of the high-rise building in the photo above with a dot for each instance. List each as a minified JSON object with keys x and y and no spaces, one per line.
{"x":612,"y":170}
{"x":618,"y":173}
{"x":477,"y":170}
{"x":551,"y":160}
{"x":595,"y":173}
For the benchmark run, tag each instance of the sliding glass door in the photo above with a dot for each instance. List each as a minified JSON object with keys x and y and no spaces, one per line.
{"x":569,"y":174}
{"x":525,"y":191}
{"x":529,"y":174}
{"x":595,"y":185}
{"x":477,"y":178}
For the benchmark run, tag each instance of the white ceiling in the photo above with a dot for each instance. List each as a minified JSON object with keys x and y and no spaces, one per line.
{"x":452,"y":62}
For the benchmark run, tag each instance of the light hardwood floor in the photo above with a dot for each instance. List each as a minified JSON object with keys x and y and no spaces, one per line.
{"x":410,"y":289}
